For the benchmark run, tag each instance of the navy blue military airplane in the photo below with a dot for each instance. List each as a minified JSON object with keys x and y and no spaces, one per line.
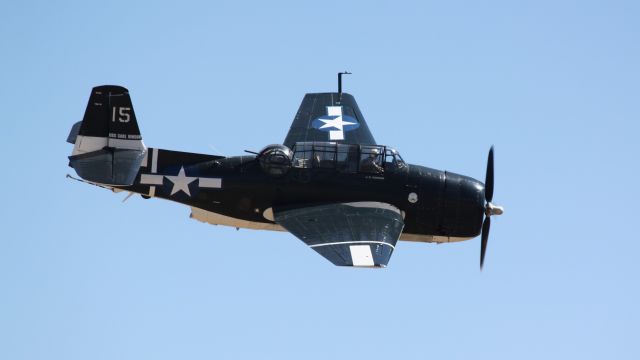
{"x":330,"y":184}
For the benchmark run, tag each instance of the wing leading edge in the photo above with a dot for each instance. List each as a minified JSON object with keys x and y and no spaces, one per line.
{"x":347,"y":234}
{"x":329,"y":117}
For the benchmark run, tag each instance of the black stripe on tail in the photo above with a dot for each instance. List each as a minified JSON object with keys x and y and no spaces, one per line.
{"x":110,"y":114}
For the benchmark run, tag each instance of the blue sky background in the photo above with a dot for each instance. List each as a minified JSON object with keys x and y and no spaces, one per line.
{"x":553,"y":84}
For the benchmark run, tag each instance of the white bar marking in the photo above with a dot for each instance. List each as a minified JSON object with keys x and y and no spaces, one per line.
{"x":215,"y":183}
{"x":131,"y":144}
{"x":334,"y":110}
{"x":145,"y":161}
{"x":361,"y":255}
{"x":148,"y":179}
{"x":152,"y":191}
{"x":336,"y":135}
{"x":154,"y":161}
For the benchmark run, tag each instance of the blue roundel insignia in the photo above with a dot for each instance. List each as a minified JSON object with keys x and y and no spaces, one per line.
{"x":335,"y":123}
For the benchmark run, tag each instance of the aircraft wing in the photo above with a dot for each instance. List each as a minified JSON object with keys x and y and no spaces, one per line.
{"x":329,"y":117}
{"x":347,"y":234}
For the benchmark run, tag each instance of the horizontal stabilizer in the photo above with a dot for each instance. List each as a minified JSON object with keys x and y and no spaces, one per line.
{"x":108,"y":166}
{"x":73,"y":134}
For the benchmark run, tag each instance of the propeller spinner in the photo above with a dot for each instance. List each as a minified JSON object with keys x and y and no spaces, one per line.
{"x":490,"y":208}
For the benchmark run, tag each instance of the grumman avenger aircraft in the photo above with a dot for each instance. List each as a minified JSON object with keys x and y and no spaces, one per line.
{"x":330,"y":183}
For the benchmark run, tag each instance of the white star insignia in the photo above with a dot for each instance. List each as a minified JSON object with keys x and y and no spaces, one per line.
{"x":181,"y":182}
{"x":335,"y":123}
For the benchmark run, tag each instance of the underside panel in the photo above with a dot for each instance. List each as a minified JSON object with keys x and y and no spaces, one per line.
{"x":347,"y":234}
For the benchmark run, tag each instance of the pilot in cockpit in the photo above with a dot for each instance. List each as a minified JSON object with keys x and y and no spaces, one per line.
{"x":370,"y":164}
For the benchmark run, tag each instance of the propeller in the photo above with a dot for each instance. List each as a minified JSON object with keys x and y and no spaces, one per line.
{"x":490,"y":208}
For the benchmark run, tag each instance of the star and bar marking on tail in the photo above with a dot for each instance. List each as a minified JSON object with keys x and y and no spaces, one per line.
{"x":181,"y":181}
{"x":335,"y":123}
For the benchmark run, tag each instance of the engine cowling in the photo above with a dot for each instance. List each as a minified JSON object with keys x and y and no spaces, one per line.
{"x":275,"y":160}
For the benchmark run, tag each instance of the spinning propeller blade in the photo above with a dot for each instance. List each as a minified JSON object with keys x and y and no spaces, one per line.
{"x":490,"y":209}
{"x":488,"y":180}
{"x":486,"y":225}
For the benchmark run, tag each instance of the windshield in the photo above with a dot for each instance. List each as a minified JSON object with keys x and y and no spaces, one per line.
{"x":347,"y":158}
{"x":393,"y":160}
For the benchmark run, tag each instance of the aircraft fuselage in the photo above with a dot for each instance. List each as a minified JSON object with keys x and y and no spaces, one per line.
{"x":330,"y":184}
{"x":437,"y":206}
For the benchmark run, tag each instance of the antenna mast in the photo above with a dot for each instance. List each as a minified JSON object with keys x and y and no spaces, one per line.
{"x":340,"y":84}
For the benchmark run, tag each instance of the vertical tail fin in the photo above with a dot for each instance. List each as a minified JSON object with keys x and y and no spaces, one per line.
{"x":109,"y":121}
{"x":108,"y":147}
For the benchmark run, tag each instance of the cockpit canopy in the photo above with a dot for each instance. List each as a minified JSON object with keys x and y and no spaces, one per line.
{"x":275,"y":159}
{"x":348,"y":158}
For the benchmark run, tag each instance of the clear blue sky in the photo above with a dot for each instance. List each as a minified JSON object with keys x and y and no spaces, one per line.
{"x":553,"y":84}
